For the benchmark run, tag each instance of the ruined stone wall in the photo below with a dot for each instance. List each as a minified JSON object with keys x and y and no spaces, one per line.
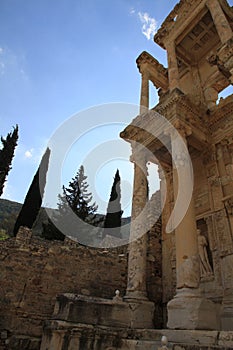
{"x":34,"y":271}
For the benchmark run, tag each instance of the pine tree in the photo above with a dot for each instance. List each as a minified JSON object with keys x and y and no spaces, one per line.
{"x":6,"y":155}
{"x":79,"y":198}
{"x":76,"y":199}
{"x":33,"y":199}
{"x":112,"y":223}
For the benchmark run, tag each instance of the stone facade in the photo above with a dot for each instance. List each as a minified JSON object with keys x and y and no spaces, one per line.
{"x":189,"y":135}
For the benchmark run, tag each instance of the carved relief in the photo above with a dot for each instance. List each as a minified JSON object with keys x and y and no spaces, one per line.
{"x":223,"y":233}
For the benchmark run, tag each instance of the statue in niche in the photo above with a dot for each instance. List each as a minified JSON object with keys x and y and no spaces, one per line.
{"x":205,"y":268}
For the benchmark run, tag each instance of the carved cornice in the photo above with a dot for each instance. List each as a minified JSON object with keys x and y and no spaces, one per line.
{"x":145,"y":57}
{"x":177,"y":103}
{"x":175,"y":19}
{"x":223,"y":111}
{"x":146,"y":128}
{"x":155,"y":71}
{"x":223,"y":59}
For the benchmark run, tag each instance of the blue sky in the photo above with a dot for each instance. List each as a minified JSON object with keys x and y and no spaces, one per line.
{"x":59,"y":57}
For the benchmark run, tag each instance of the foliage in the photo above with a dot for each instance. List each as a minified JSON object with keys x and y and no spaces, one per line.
{"x":74,"y":203}
{"x":3,"y":235}
{"x":33,"y":199}
{"x":112,"y":223}
{"x":8,"y":213}
{"x":6,"y":155}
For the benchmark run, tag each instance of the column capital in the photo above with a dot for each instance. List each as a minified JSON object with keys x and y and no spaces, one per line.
{"x":178,"y":128}
{"x":183,"y":129}
{"x":140,"y":157}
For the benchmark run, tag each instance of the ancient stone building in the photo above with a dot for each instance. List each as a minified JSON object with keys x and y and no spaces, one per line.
{"x":197,"y":249}
{"x":176,"y":278}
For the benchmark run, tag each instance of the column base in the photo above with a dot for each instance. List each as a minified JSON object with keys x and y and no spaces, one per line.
{"x":227,"y":314}
{"x":189,"y":310}
{"x":135,"y":296}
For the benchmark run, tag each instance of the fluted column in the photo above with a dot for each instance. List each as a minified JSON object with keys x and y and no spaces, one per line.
{"x":173,"y":71}
{"x":144,"y":99}
{"x":136,"y":285}
{"x":221,"y":23}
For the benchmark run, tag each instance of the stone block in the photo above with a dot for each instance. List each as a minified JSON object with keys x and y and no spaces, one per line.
{"x":99,"y":311}
{"x":186,"y":312}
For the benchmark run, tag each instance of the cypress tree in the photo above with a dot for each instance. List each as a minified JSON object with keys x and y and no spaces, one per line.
{"x":6,"y":155}
{"x":33,"y":199}
{"x":112,"y":223}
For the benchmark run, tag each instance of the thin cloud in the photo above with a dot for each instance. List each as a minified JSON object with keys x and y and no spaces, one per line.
{"x":12,"y":64}
{"x":149,"y":25}
{"x":29,"y":153}
{"x":2,"y":64}
{"x":132,"y":11}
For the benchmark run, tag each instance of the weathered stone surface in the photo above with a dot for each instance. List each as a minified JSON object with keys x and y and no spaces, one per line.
{"x":190,"y":312}
{"x":30,"y":279}
{"x":98,"y":311}
{"x":33,"y":272}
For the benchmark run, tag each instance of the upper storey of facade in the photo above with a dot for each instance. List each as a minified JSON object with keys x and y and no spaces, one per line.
{"x":198,"y":38}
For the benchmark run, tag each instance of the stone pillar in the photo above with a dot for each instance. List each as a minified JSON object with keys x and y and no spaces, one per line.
{"x":222,"y":25}
{"x":173,"y":71}
{"x":57,"y":340}
{"x":224,"y":161}
{"x":136,"y":285}
{"x":188,"y":309}
{"x":187,"y":263}
{"x":144,"y":100}
{"x":74,"y":340}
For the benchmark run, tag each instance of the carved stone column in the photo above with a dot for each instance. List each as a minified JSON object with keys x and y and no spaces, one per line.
{"x":173,"y":71}
{"x":57,"y":340}
{"x":141,"y":310}
{"x":168,"y":246}
{"x":188,"y":309}
{"x":136,"y":286}
{"x":74,"y":340}
{"x":144,"y":100}
{"x":220,"y":20}
{"x":187,"y":263}
{"x":224,"y":226}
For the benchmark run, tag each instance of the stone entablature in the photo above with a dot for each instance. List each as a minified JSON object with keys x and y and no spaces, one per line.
{"x":181,"y":16}
{"x":154,"y":70}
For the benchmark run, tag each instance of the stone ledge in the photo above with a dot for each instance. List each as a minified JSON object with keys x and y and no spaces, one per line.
{"x":106,"y":312}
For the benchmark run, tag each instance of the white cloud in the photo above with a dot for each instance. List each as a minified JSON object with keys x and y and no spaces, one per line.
{"x":149,"y":25}
{"x":132,"y":11}
{"x":29,"y":153}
